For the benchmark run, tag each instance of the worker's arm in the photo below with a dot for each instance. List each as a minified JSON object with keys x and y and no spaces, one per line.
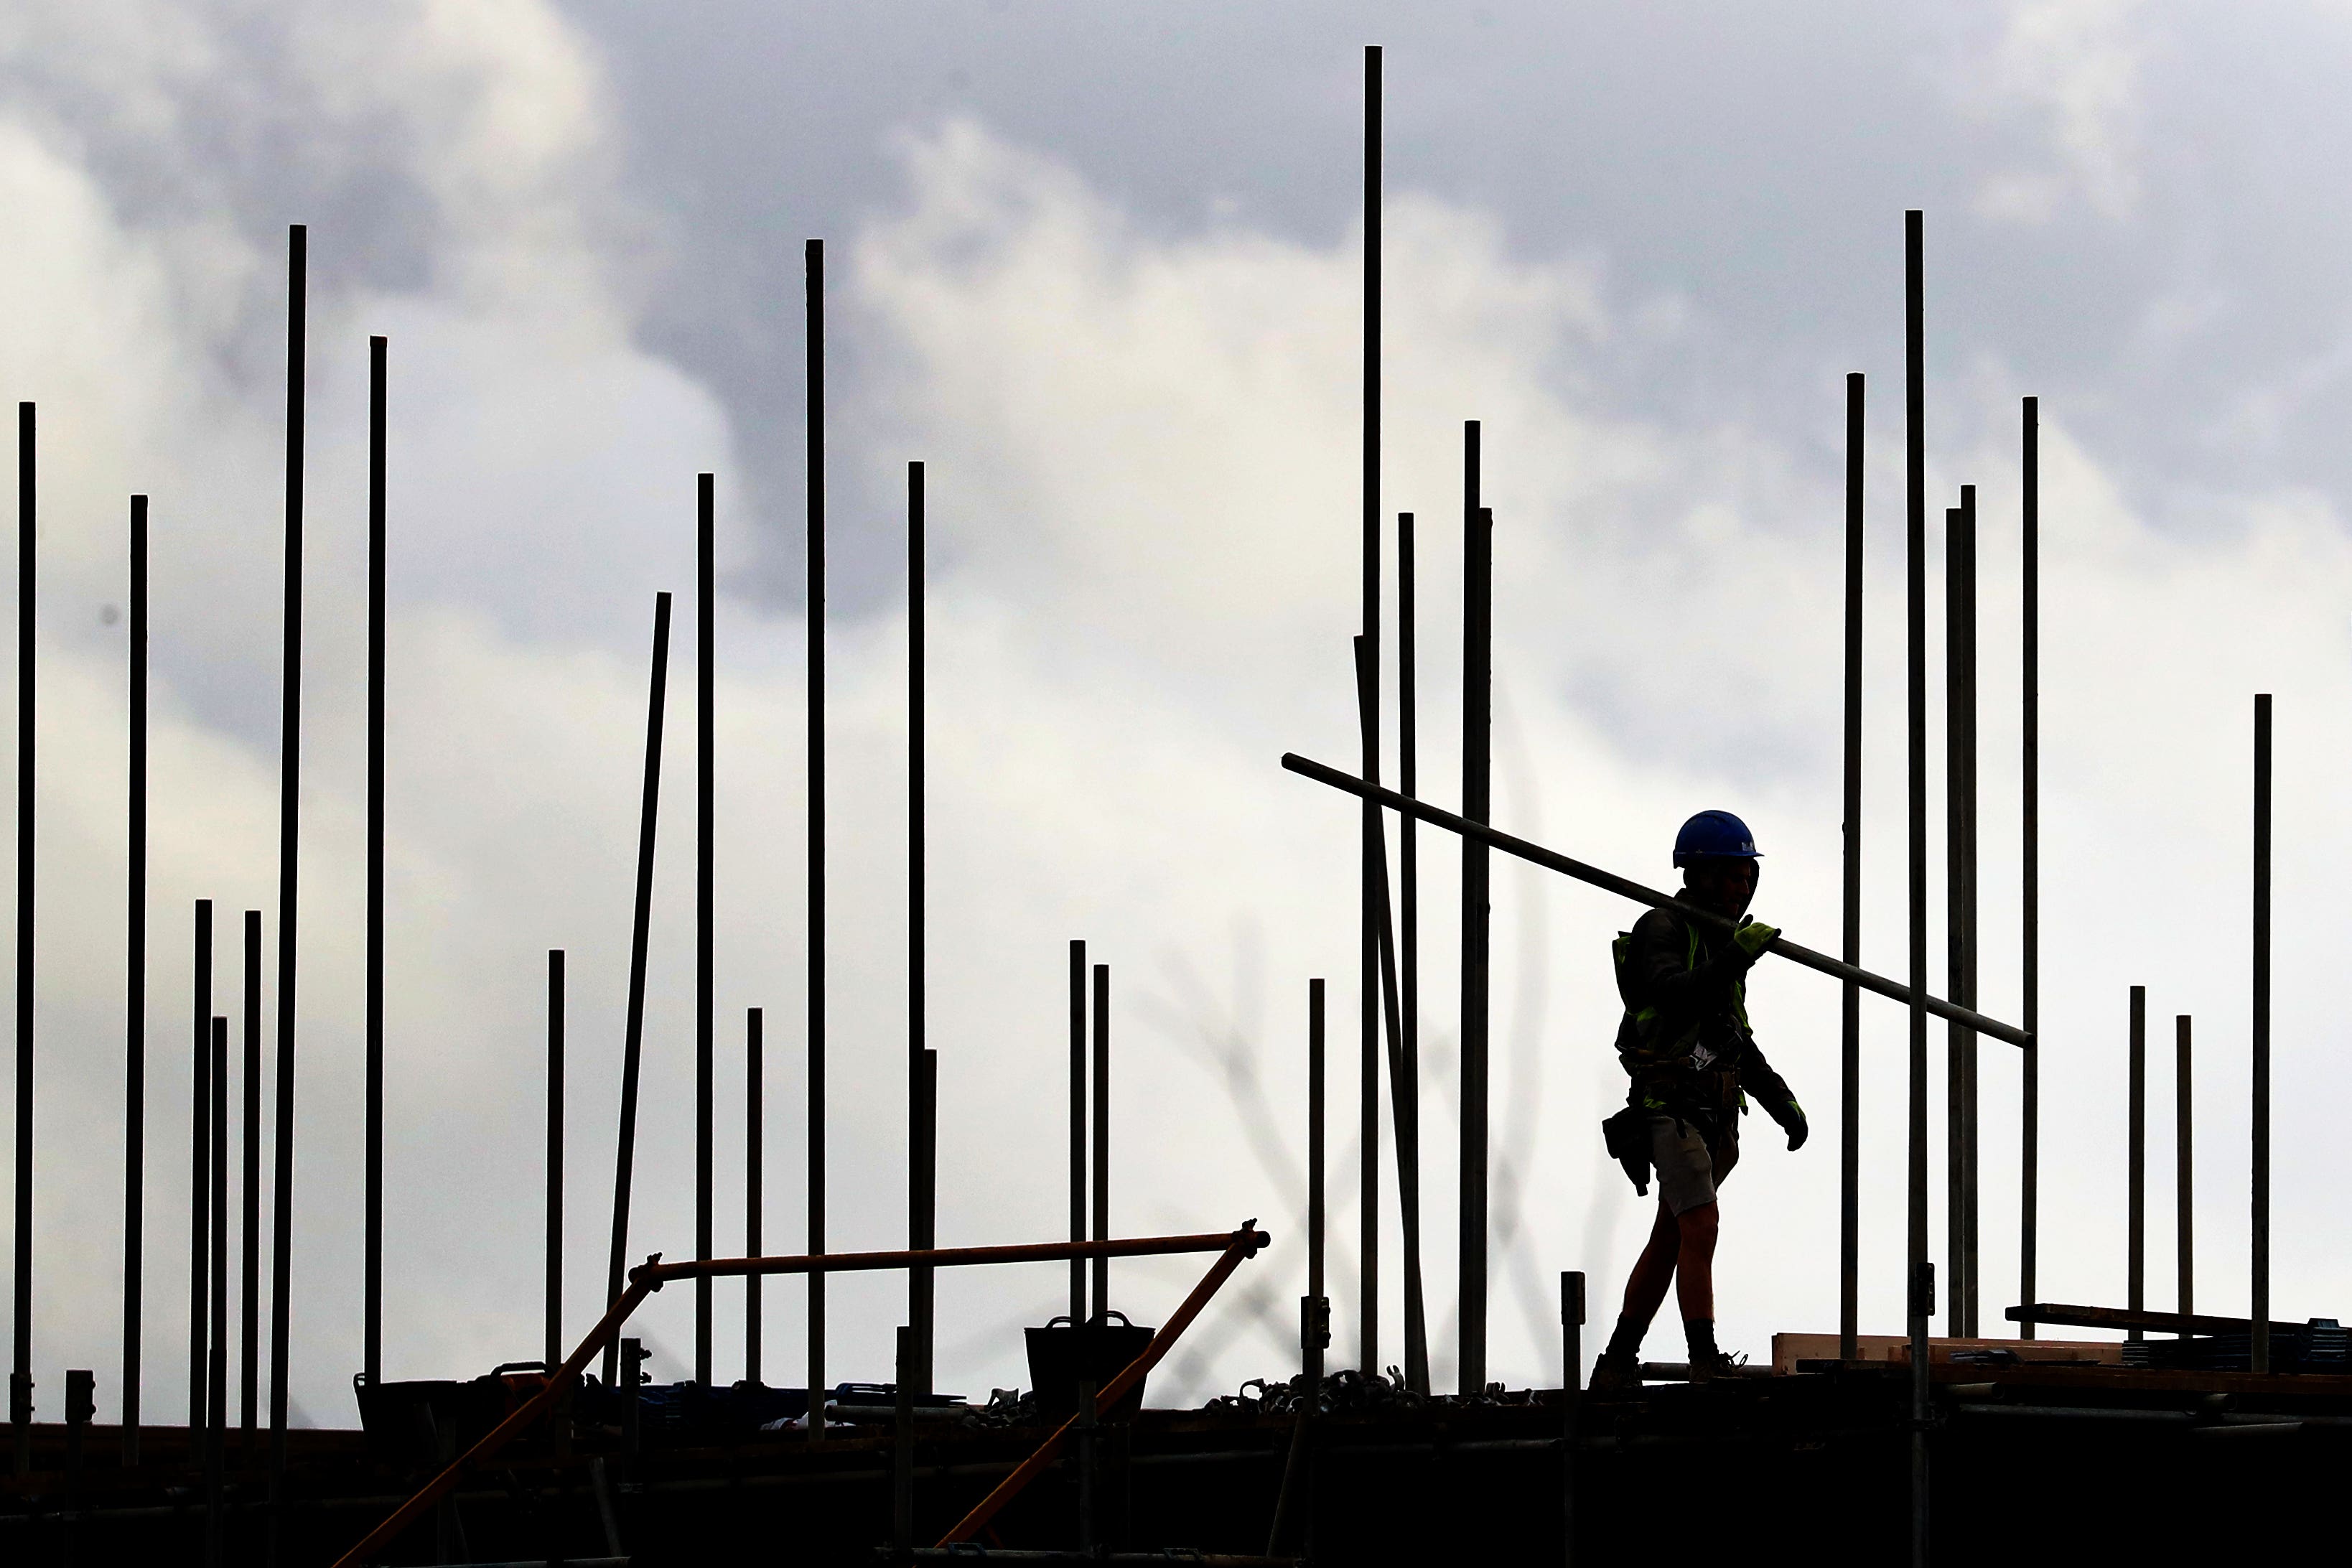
{"x":1768,"y":1088}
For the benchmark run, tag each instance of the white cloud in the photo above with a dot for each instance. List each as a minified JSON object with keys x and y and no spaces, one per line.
{"x":2075,"y":65}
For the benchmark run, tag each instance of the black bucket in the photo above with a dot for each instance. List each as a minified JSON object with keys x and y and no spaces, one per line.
{"x":428,"y":1421}
{"x":1063,"y":1352}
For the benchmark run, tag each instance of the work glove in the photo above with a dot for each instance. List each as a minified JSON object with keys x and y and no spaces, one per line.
{"x":1792,"y":1118}
{"x":1752,"y":936}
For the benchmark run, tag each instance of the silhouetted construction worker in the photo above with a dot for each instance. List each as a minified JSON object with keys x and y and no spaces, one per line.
{"x":1694,"y":1064}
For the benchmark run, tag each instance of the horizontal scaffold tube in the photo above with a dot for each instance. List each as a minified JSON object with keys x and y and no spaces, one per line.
{"x":1551,"y":859}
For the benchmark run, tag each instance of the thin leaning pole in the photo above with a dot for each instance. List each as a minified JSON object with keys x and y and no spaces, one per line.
{"x":705,"y":819}
{"x":2135,"y":1183}
{"x":2184,"y":1244}
{"x":922,"y":1065}
{"x":134,"y":1066}
{"x":1919,"y":1275}
{"x":2028,"y":1006}
{"x":20,"y":1369}
{"x":289,"y":839}
{"x":1850,"y":947}
{"x":2259,"y":1308}
{"x":1369,"y":980}
{"x":371,"y":1351}
{"x":1404,"y":1087}
{"x":633,"y":1041}
{"x":816,"y":1042}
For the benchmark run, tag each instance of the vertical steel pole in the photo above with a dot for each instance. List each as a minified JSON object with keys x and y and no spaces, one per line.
{"x":1077,"y":1125}
{"x":200,"y":1160}
{"x":816,"y":1042}
{"x":1850,"y":1004}
{"x":2135,"y":1185}
{"x":625,"y":1155}
{"x":249,"y":1304}
{"x":755,"y":1116}
{"x":1368,"y":1218}
{"x":135,"y":1071}
{"x":372,"y":1348}
{"x":922,"y":1064}
{"x":554,"y":1260}
{"x":1406,"y":1087}
{"x":1967,"y":995}
{"x":705,"y":1019}
{"x":2029,"y":1141}
{"x":1919,"y":1271}
{"x":218,"y":1355}
{"x":2184,"y":1248}
{"x":1319,"y":1309}
{"x":1956,"y":1098}
{"x":1477,"y":668}
{"x":217,"y":1374}
{"x":1102,"y":1133}
{"x":20,"y":1372}
{"x":289,"y":844}
{"x":2261,"y":1309}
{"x":902,"y":1450}
{"x":1572,"y":1357}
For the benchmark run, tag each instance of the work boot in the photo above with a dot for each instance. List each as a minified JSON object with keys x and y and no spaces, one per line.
{"x":1620,"y":1365}
{"x":1706,"y":1362}
{"x":1613,"y":1371}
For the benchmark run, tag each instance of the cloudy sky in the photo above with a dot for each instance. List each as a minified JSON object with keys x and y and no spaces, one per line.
{"x":1099,"y":269}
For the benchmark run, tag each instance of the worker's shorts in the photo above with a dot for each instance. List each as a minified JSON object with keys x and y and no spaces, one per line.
{"x":1687,"y":1169}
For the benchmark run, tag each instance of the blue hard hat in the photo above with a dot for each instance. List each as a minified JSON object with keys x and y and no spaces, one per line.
{"x":1714,"y":835}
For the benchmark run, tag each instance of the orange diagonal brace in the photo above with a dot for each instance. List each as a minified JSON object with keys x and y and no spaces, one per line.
{"x":1245,"y":1244}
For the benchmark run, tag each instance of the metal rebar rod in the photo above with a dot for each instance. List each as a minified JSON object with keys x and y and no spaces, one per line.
{"x":289,"y":844}
{"x":1311,"y":1349}
{"x":633,"y":1040}
{"x":1625,"y":886}
{"x":1102,"y":1135}
{"x":755,"y":1198}
{"x":1956,"y":1098}
{"x":1478,"y":715}
{"x":922,"y":1065}
{"x":1404,"y":1087}
{"x":554,"y":1306}
{"x":2261,"y":1249}
{"x":816,"y":949}
{"x":1849,"y":945}
{"x":217,"y":1374}
{"x":1572,"y":1368}
{"x":1408,"y":1171}
{"x":920,"y":1291}
{"x":1368,"y":1056}
{"x":1915,"y":441}
{"x":20,"y":1369}
{"x":705,"y":824}
{"x":200,"y":1071}
{"x":2183,"y":1170}
{"x":134,"y":1067}
{"x":1966,"y":993}
{"x":902,"y":1446}
{"x":2135,"y":1181}
{"x":1077,"y":1124}
{"x":2030,"y":926}
{"x":371,"y":1347}
{"x":249,"y":1259}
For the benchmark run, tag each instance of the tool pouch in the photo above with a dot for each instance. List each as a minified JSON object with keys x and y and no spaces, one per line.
{"x":1626,"y":1136}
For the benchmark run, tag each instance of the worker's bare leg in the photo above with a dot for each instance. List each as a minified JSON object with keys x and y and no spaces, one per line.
{"x":1645,"y":1288}
{"x":1680,"y":1252}
{"x":1695,"y":1262}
